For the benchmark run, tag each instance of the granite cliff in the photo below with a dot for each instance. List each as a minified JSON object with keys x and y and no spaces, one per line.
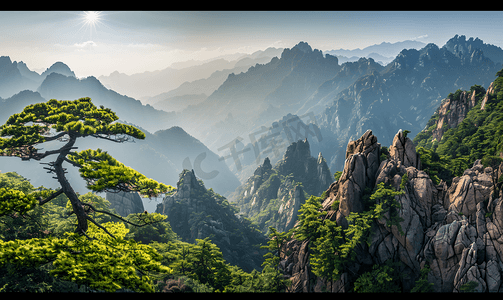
{"x":453,"y":233}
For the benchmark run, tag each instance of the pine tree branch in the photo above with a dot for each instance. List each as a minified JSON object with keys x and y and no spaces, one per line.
{"x":99,"y":226}
{"x":54,"y":195}
{"x":119,"y":217}
{"x":55,"y":137}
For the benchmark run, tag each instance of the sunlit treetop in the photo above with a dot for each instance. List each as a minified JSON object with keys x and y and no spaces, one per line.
{"x":52,"y":120}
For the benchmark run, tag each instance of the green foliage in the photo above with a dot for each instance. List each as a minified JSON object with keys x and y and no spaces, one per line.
{"x":277,"y":240}
{"x":309,"y":219}
{"x":157,"y":232}
{"x":384,"y":153}
{"x":491,"y":161}
{"x":14,"y":201}
{"x":469,"y":287}
{"x":66,"y":121}
{"x":381,"y":279}
{"x":403,"y":182}
{"x":16,"y":279}
{"x":422,"y":285}
{"x":478,"y":136}
{"x":101,"y":262}
{"x":332,"y":247}
{"x":433,"y":165}
{"x":337,"y":175}
{"x":326,"y":259}
{"x":456,"y":95}
{"x":385,"y":196}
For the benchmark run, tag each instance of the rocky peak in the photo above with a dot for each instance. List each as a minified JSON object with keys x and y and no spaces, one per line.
{"x":58,"y":67}
{"x":297,"y":151}
{"x":403,"y":149}
{"x":456,"y":231}
{"x":304,"y":47}
{"x":272,"y":196}
{"x":187,"y":184}
{"x":264,"y":168}
{"x":362,"y":163}
{"x":196,"y":213}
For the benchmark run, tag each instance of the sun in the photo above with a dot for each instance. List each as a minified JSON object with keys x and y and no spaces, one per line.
{"x":91,"y":17}
{"x":90,"y":20}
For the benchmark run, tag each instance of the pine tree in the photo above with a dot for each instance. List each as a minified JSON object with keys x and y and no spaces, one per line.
{"x":66,"y":121}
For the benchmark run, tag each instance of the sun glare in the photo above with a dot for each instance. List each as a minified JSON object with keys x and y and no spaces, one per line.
{"x":92,"y":17}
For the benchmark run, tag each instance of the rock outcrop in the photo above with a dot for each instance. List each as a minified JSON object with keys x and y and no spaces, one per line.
{"x":125,"y":203}
{"x":452,"y":112}
{"x":195,"y":212}
{"x":273,"y":195}
{"x":456,"y":231}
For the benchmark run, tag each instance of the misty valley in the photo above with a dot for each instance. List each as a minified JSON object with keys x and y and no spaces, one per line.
{"x":285,"y":170}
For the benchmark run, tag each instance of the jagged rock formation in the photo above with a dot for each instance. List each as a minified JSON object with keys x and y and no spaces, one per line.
{"x":273,"y":195}
{"x":452,"y":112}
{"x":125,"y":203}
{"x":196,"y":213}
{"x":455,"y":230}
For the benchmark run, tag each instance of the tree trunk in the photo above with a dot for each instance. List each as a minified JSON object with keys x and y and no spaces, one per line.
{"x":78,"y":209}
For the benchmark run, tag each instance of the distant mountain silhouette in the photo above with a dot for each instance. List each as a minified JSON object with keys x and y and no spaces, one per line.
{"x":152,"y":83}
{"x":63,"y":87}
{"x":384,"y":49}
{"x":11,"y":80}
{"x":60,"y":68}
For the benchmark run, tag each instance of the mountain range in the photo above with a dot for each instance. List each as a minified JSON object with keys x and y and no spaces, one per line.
{"x":146,"y":85}
{"x":384,"y":52}
{"x":256,"y":109}
{"x":346,"y":99}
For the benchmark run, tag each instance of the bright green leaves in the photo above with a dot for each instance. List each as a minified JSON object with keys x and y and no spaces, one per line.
{"x":79,"y":118}
{"x":103,"y":263}
{"x":31,"y":252}
{"x":15,"y":201}
{"x":326,"y":259}
{"x":310,"y":218}
{"x":387,"y":206}
{"x":103,"y":172}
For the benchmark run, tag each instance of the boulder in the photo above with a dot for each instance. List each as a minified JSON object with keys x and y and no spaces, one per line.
{"x":125,"y":203}
{"x":473,"y":187}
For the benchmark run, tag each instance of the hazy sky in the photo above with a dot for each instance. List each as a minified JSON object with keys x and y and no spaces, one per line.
{"x":137,"y":41}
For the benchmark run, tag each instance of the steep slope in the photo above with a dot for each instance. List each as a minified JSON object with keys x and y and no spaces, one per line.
{"x":273,"y":196}
{"x":346,"y":76}
{"x":195,"y":212}
{"x":467,"y":126}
